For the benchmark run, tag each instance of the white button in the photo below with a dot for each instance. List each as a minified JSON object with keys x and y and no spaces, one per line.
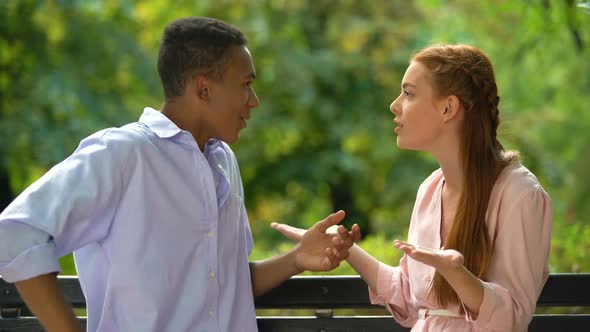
{"x":210,"y":234}
{"x":211,"y":275}
{"x":211,"y":313}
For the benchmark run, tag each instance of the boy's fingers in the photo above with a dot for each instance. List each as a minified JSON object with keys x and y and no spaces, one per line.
{"x":330,"y":220}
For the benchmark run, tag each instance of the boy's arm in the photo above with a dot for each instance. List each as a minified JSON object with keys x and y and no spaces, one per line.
{"x":365,"y":264}
{"x":47,"y":301}
{"x":271,"y":272}
{"x":316,"y":250}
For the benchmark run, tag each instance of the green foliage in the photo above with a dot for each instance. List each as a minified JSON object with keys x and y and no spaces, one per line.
{"x":58,"y":85}
{"x":67,"y":265}
{"x":322,"y":138}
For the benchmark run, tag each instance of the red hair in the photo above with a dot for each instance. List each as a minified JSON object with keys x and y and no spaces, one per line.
{"x":467,"y":73}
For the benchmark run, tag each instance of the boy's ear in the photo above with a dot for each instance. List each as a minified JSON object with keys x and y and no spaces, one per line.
{"x":201,"y":86}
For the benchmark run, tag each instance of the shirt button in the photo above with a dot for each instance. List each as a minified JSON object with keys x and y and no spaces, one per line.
{"x":211,"y":313}
{"x":210,"y":234}
{"x":211,"y":275}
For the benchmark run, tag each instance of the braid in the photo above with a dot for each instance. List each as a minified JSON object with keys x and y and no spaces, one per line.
{"x":491,"y":100}
{"x":466,"y":72}
{"x":494,"y":113}
{"x":484,"y":100}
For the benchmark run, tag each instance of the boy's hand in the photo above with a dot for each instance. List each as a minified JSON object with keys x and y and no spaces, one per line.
{"x":323,"y":246}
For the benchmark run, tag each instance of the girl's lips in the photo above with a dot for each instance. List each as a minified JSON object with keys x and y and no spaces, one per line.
{"x":398,"y":126}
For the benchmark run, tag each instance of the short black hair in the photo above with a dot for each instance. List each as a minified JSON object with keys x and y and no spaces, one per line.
{"x":195,"y":46}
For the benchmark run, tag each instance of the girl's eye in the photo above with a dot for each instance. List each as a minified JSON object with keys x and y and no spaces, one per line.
{"x":407,"y":93}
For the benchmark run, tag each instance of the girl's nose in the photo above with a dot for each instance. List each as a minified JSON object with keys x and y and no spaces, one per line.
{"x":394,"y":108}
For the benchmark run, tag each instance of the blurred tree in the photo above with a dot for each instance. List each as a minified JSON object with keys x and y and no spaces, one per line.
{"x":66,"y":69}
{"x":322,"y":138}
{"x":540,"y":52}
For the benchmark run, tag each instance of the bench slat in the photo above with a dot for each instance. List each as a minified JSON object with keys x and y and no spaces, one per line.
{"x":328,"y":292}
{"x":540,"y":323}
{"x":28,"y":324}
{"x":562,"y":289}
{"x":317,"y":292}
{"x":567,"y":289}
{"x":340,"y":324}
{"x":9,"y":295}
{"x":561,"y":323}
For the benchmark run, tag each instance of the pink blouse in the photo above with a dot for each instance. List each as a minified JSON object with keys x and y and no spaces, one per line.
{"x":519,"y":224}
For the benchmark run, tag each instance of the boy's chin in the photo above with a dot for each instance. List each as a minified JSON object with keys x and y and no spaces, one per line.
{"x":232,"y":139}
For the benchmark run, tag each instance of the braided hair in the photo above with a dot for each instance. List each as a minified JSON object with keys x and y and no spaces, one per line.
{"x":466,"y":72}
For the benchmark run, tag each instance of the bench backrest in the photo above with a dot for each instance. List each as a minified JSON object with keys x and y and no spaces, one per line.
{"x":325,"y":293}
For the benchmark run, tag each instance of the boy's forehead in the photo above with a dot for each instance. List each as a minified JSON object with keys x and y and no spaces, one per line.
{"x":240,"y":62}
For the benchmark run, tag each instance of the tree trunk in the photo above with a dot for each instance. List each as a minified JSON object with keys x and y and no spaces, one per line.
{"x":6,"y":194}
{"x":342,"y":199}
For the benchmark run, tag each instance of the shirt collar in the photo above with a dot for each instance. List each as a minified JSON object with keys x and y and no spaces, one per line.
{"x":165,"y":128}
{"x":217,"y":157}
{"x":212,"y":146}
{"x":214,"y":150}
{"x":159,"y":123}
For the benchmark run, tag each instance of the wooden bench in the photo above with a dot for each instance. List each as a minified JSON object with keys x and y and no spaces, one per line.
{"x":324,"y":294}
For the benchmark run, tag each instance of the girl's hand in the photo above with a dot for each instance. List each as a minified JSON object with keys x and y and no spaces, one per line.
{"x":441,"y":259}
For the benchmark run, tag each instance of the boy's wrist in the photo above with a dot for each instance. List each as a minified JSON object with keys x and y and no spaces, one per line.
{"x":292,"y":256}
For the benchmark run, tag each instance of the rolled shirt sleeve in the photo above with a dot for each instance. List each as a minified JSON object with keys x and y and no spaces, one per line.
{"x":393,"y":292}
{"x":519,"y":267}
{"x":30,"y":261}
{"x":68,"y":207}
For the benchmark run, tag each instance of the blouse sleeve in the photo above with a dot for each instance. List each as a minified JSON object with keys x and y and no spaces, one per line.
{"x":393,"y":292}
{"x":519,"y":267}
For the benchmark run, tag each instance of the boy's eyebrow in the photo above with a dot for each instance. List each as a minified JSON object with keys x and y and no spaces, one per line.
{"x":406,"y":85}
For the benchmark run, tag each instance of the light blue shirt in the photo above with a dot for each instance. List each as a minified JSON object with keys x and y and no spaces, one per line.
{"x":158,"y":229}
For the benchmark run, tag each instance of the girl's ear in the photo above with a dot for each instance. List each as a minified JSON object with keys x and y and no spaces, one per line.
{"x":452,"y":109}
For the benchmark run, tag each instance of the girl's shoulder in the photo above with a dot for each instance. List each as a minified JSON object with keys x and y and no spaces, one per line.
{"x":516,"y":180}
